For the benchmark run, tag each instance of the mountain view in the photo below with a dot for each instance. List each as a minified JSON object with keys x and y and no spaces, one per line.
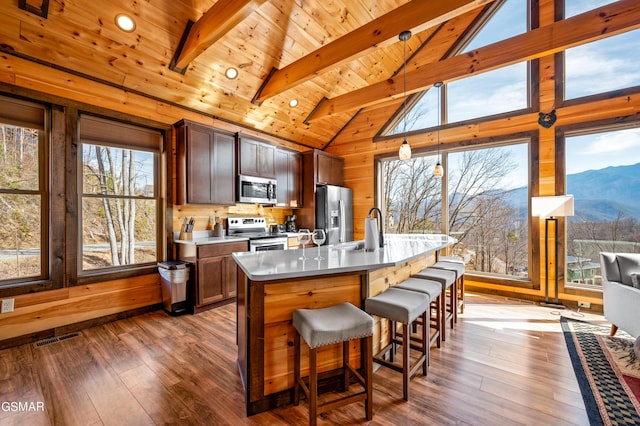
{"x":598,"y":194}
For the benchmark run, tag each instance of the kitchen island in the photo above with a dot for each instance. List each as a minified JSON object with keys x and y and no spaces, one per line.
{"x":272,"y":284}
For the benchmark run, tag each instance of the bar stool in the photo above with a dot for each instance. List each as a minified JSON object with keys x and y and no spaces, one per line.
{"x":401,"y":306}
{"x":457,"y":266}
{"x":434,"y":290}
{"x":326,"y":326}
{"x":447,"y":280}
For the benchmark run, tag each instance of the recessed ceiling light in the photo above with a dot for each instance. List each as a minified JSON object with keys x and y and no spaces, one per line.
{"x":293,"y":103}
{"x":231,"y":73}
{"x":125,"y":22}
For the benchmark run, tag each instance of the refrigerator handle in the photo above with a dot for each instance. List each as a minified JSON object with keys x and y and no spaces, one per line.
{"x":342,"y":230}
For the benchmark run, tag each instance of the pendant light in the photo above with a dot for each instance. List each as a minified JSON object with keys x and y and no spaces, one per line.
{"x":405,"y":149}
{"x":438,"y":171}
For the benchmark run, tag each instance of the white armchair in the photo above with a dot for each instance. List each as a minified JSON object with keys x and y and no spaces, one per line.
{"x":621,"y":291}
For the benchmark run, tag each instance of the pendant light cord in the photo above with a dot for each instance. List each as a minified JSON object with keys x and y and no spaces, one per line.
{"x":404,"y":108}
{"x":439,"y":118}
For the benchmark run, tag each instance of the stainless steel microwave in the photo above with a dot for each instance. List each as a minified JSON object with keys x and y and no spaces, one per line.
{"x":256,"y":190}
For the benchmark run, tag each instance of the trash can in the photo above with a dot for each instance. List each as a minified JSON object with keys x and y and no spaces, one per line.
{"x":174,"y":275}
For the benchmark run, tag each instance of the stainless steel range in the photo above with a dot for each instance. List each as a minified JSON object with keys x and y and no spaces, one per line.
{"x":255,"y":228}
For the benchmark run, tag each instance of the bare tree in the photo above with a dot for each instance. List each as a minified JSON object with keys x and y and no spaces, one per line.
{"x":478,"y":213}
{"x":116,"y":184}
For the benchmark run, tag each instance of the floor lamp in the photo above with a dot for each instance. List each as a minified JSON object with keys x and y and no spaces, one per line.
{"x":550,"y":208}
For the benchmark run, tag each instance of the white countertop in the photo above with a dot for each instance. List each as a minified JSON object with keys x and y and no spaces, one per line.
{"x":206,"y":237}
{"x":340,"y":258}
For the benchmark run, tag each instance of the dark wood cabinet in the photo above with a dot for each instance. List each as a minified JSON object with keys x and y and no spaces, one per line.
{"x":288,"y":167}
{"x":215,"y":272}
{"x":205,"y":165}
{"x":256,"y":158}
{"x":329,"y":169}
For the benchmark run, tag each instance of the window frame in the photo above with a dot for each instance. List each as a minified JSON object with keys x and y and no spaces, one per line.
{"x":532,"y":140}
{"x":562,"y":132}
{"x":50,"y":276}
{"x":78,"y":274}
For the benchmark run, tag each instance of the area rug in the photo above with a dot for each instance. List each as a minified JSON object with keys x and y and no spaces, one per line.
{"x":607,"y":370}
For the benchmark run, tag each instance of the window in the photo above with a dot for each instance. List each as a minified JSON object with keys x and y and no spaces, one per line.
{"x":603,"y":174}
{"x":120,"y":198}
{"x":487,"y":207}
{"x":493,"y":92}
{"x":602,"y":66}
{"x":23,"y":193}
{"x":411,"y":196}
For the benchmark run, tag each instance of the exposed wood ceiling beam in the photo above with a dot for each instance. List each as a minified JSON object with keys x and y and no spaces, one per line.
{"x":606,"y":21}
{"x":215,"y":23}
{"x":416,"y":15}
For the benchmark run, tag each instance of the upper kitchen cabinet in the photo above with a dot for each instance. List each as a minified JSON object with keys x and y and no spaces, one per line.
{"x":205,"y":165}
{"x":288,"y":178}
{"x":256,"y":158}
{"x":327,"y":169}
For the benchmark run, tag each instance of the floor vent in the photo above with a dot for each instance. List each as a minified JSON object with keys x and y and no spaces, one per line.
{"x":52,"y":340}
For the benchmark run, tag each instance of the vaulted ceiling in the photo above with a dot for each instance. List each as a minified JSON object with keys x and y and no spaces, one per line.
{"x":335,"y":57}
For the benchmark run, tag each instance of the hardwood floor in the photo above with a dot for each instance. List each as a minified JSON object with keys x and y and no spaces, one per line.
{"x":505,"y":363}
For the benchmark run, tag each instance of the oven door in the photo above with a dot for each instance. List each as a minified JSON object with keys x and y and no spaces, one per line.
{"x":265,"y":244}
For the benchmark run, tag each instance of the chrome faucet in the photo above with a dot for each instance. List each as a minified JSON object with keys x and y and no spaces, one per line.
{"x":380,"y":233}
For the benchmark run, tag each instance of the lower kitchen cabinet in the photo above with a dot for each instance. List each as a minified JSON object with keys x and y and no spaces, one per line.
{"x":214,"y":272}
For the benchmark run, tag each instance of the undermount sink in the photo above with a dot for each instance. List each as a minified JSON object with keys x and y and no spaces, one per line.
{"x":351,"y":246}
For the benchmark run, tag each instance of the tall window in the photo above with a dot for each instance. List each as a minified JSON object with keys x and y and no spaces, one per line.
{"x":603,"y":174}
{"x":487,"y":204}
{"x":488,"y":208}
{"x":23,"y":192}
{"x":120,"y":198}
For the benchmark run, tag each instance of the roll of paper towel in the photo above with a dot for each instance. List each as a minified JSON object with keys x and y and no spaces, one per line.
{"x":371,"y":234}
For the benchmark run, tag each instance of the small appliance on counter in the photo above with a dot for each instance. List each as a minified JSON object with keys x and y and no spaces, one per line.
{"x":290,"y":223}
{"x":278,"y":229}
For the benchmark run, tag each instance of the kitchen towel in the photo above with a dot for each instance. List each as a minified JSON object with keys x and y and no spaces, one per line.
{"x":371,"y":234}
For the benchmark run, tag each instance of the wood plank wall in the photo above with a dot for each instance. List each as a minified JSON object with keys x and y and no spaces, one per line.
{"x":356,"y":145}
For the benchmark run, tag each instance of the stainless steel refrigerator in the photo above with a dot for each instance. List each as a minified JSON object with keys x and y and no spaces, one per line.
{"x":334,"y":213}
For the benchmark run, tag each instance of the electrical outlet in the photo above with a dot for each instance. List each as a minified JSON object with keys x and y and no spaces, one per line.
{"x":7,"y":306}
{"x":585,"y":305}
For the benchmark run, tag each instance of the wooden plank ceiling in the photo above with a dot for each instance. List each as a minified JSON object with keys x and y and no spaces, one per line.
{"x":309,"y":50}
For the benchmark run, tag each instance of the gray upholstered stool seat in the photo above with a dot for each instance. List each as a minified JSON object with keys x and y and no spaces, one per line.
{"x":397,"y":305}
{"x":335,"y":324}
{"x":456,"y":265}
{"x":430,"y":287}
{"x":447,"y":279}
{"x":326,"y":326}
{"x":402,"y":306}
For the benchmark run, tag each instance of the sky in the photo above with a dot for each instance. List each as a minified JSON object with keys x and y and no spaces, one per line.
{"x":593,"y":68}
